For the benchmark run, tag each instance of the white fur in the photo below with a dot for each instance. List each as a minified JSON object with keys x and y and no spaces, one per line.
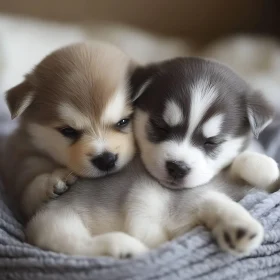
{"x":248,"y":166}
{"x":172,"y":115}
{"x":202,"y":96}
{"x":203,"y":167}
{"x":67,"y":227}
{"x":152,"y":199}
{"x":99,"y":145}
{"x":113,"y":111}
{"x":213,"y":126}
{"x":73,"y":117}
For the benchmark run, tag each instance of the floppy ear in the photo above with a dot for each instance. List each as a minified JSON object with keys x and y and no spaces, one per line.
{"x":259,"y":111}
{"x":140,"y":79}
{"x":19,"y":98}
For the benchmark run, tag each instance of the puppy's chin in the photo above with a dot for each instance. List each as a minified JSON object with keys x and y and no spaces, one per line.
{"x":92,"y":172}
{"x":187,"y":183}
{"x":173,"y":185}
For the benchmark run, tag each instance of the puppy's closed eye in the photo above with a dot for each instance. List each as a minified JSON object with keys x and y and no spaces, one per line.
{"x":160,"y":125}
{"x":212,"y":142}
{"x":159,"y":130}
{"x":69,"y":132}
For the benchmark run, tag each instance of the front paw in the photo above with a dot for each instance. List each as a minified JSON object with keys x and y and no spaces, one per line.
{"x":239,"y":236}
{"x":256,"y":169}
{"x":59,"y":182}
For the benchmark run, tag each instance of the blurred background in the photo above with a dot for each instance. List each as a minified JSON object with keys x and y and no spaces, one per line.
{"x":241,"y":33}
{"x":199,"y":20}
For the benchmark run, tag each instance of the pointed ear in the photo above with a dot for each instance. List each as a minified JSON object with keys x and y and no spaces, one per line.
{"x":19,"y":98}
{"x":140,"y":79}
{"x":260,"y":112}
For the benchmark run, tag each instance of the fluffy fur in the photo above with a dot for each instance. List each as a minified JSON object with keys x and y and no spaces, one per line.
{"x":67,"y":127}
{"x":126,"y":213}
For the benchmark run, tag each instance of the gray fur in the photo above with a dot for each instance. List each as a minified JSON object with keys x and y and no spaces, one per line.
{"x":173,"y":80}
{"x":111,"y":194}
{"x":112,"y":191}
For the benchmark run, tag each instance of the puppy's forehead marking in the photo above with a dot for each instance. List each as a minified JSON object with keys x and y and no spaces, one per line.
{"x":73,"y":116}
{"x":115,"y":108}
{"x":173,"y":114}
{"x":143,"y":88}
{"x":213,"y":126}
{"x":203,"y":94}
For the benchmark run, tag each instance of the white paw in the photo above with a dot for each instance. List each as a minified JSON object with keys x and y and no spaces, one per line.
{"x":59,"y":182}
{"x":239,"y":236}
{"x":256,"y":169}
{"x":124,"y":246}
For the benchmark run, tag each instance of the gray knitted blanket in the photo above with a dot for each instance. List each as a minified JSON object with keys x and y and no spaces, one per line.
{"x":193,"y":256}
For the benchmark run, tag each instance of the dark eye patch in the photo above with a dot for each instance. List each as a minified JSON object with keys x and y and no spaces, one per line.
{"x":158,"y":130}
{"x":211,"y":145}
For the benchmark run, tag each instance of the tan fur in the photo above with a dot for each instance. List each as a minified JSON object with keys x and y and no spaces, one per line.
{"x":84,"y":76}
{"x":72,"y":86}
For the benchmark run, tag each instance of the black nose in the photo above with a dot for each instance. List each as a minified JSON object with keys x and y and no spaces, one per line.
{"x":177,"y":169}
{"x":105,"y":161}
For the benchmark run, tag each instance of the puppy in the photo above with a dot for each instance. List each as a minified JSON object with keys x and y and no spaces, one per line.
{"x":74,"y":110}
{"x":192,"y":120}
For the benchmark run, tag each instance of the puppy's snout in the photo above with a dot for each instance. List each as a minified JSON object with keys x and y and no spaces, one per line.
{"x":177,"y":169}
{"x":105,"y":161}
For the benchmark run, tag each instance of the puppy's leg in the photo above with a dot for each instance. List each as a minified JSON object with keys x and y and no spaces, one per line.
{"x":256,"y":169}
{"x":44,"y":187}
{"x":149,"y":231}
{"x":63,"y":231}
{"x":235,"y":230}
{"x":145,"y":214}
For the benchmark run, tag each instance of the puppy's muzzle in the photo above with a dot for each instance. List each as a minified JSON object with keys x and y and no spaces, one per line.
{"x":106,"y":161}
{"x":177,"y":169}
